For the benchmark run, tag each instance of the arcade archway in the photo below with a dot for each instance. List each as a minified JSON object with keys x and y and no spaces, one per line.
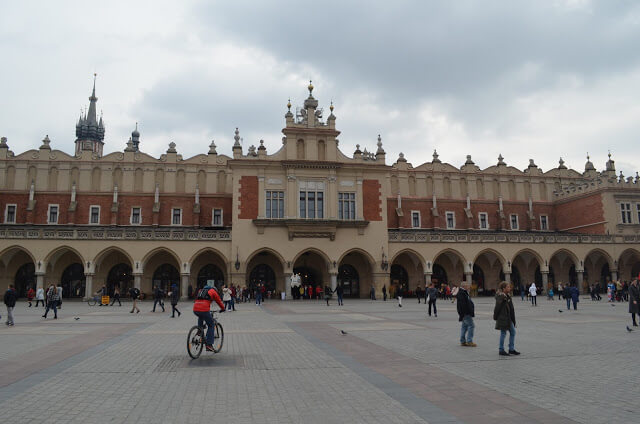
{"x":355,"y":273}
{"x":407,"y":272}
{"x":266,"y":266}
{"x":312,"y":267}
{"x":65,"y":266}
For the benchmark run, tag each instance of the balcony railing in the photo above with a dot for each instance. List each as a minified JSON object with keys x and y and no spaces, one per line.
{"x":436,"y":236}
{"x":44,"y":232}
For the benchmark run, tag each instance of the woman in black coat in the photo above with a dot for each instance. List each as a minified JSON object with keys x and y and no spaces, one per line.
{"x":634,"y":300}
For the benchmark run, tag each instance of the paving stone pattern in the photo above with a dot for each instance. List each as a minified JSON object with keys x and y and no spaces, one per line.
{"x":288,"y":362}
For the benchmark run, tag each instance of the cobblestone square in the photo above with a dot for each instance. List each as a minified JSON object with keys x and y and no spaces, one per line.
{"x":289,"y":362}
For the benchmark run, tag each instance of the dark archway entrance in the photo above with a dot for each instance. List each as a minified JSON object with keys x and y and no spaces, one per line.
{"x":73,"y":281}
{"x":120,"y":275}
{"x":210,"y":275}
{"x":165,"y":276}
{"x":350,"y":280}
{"x":439,"y":276}
{"x":263,"y":274}
{"x":312,"y":267}
{"x":478,"y":278}
{"x":399,"y":278}
{"x":25,"y":278}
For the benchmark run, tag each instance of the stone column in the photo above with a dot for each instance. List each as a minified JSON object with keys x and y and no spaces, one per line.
{"x":287,"y":283}
{"x":332,"y":198}
{"x":291,"y":197}
{"x":545,"y":279}
{"x":580,"y":280}
{"x":427,"y":278}
{"x":467,"y":277}
{"x":614,"y":275}
{"x":359,"y":200}
{"x":184,"y":286}
{"x":334,"y":280}
{"x":137,"y":281}
{"x":507,"y":277}
{"x":88,"y":286}
{"x":40,"y":280}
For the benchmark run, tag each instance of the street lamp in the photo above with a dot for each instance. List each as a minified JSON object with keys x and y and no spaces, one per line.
{"x":384,"y":264}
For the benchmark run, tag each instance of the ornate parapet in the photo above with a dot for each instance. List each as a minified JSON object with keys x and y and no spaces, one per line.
{"x":45,"y":232}
{"x":421,"y":236}
{"x":311,"y":228}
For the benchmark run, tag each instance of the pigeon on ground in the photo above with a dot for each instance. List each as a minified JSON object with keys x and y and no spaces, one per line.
{"x":560,"y":310}
{"x":344,"y":332}
{"x":613,"y":304}
{"x":76,"y":318}
{"x":629,"y":329}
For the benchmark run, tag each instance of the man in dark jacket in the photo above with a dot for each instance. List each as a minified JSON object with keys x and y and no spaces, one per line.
{"x":466,"y":312}
{"x":505,"y":317}
{"x":634,"y":300}
{"x":566,"y":293}
{"x":158,"y":294}
{"x":10,"y":298}
{"x":432,"y":295}
{"x":575,"y":296}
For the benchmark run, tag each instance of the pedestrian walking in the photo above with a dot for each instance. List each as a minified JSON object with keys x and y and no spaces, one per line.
{"x":226,"y":297}
{"x":522,"y":292}
{"x":40,"y":297}
{"x":533,"y":291}
{"x":31,"y":293}
{"x":158,"y":294}
{"x":10,"y":298}
{"x":566,"y":293}
{"x":59,"y":292}
{"x":466,"y":312}
{"x":432,"y":296}
{"x":384,"y":293}
{"x":505,"y":318}
{"x":174,"y":296}
{"x":419,"y":293}
{"x":258,"y":295}
{"x":327,"y":293}
{"x":372,"y":293}
{"x":116,"y":296}
{"x":575,"y":296}
{"x":339,"y":291}
{"x":399,"y":293}
{"x":52,"y":302}
{"x":134,"y":293}
{"x":634,"y":300}
{"x":233,"y":297}
{"x":560,"y":291}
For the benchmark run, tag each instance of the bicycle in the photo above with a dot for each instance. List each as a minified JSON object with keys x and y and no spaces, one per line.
{"x":94,"y":300}
{"x":196,"y":339}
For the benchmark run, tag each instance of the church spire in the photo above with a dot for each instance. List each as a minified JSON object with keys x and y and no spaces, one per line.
{"x":90,"y":131}
{"x":92,"y":114}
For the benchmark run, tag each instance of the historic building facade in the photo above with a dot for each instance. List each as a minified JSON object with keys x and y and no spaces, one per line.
{"x":130,"y":219}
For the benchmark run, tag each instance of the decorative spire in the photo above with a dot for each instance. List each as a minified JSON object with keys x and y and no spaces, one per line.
{"x":289,"y":104}
{"x":135,"y":139}
{"x":331,"y":106}
{"x":172,"y":148}
{"x":261,"y":147}
{"x":45,"y":143}
{"x":610,"y":164}
{"x":501,"y":161}
{"x":435,"y":157}
{"x":589,"y":165}
{"x":236,"y":137}
{"x":380,"y":150}
{"x":331,"y":117}
{"x":3,"y":143}
{"x":469,"y":161}
{"x":621,"y":177}
{"x":288,"y":114}
{"x":90,"y":130}
{"x":532,"y":164}
{"x":401,"y":157}
{"x":91,"y":116}
{"x":212,"y":148}
{"x":358,"y":151}
{"x":561,"y":164}
{"x":310,"y":87}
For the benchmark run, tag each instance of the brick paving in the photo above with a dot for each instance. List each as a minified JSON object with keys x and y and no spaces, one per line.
{"x":288,"y":362}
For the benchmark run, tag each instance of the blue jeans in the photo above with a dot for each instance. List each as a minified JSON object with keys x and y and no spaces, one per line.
{"x":54,"y":306}
{"x":467,"y":329}
{"x":568,"y":303}
{"x":512,"y":337}
{"x":339,"y":299}
{"x":258,"y":298}
{"x":207,"y":318}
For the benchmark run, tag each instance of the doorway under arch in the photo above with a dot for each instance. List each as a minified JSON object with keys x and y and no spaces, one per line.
{"x":349,"y":279}
{"x":210,"y":275}
{"x":24,"y":279}
{"x":120,"y":276}
{"x":263,"y":274}
{"x":73,"y":281}
{"x":165,"y":276}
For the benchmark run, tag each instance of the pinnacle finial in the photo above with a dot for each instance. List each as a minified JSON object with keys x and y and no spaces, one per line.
{"x":331,"y":106}
{"x":289,"y":104}
{"x":588,"y":158}
{"x":310,"y":87}
{"x":435,"y":156}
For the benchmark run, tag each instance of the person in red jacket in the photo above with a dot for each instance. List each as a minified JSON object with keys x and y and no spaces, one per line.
{"x":201,"y":309}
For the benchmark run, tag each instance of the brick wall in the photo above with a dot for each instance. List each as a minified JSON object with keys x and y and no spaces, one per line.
{"x":371,"y":199}
{"x":581,"y":211}
{"x":248,"y":198}
{"x":20,"y":200}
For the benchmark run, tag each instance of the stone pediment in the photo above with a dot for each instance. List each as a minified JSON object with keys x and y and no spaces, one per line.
{"x":311,"y":228}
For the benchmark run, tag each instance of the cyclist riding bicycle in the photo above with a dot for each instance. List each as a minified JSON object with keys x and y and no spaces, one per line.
{"x":201,"y":309}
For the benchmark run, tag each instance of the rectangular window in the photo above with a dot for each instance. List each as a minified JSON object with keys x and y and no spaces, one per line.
{"x":514,"y":221}
{"x":311,"y":204}
{"x":346,"y":206}
{"x":53,"y":214}
{"x":10,"y":214}
{"x":638,"y":211}
{"x":625,"y":210}
{"x":94,"y":215}
{"x":415,"y":219}
{"x":483,"y":221}
{"x":176,"y":216}
{"x":275,"y":204}
{"x":217,"y":218}
{"x":544,"y":222}
{"x":136,"y":216}
{"x":451,"y":220}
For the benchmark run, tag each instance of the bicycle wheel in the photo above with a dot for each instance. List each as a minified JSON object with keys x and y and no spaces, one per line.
{"x":92,"y":301}
{"x":218,"y":337}
{"x":195,"y":341}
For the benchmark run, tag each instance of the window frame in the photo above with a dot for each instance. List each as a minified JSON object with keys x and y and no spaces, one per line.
{"x":213,"y":217}
{"x":546,"y":222}
{"x":172,"y":216}
{"x":629,"y":216}
{"x":351,"y":200}
{"x":446,"y":219}
{"x":15,"y":213}
{"x":57,"y":206}
{"x":139,"y":215}
{"x":269,"y":203}
{"x":419,"y":219}
{"x":517,"y":226}
{"x":91,"y":214}
{"x":486,"y":220}
{"x":304,"y":187}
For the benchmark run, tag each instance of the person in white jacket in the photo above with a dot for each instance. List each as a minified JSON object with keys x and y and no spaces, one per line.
{"x":40,"y":296}
{"x":533,"y":291}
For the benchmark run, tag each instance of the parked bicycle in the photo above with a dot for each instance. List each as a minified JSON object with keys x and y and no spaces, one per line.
{"x":196,"y":339}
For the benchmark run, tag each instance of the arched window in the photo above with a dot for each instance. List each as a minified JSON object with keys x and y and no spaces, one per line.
{"x":96,"y":177}
{"x":322,"y":150}
{"x":53,"y":178}
{"x":300,"y":153}
{"x":138,"y":180}
{"x":349,"y":279}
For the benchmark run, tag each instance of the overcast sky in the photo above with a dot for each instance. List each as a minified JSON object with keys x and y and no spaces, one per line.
{"x":540,"y":80}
